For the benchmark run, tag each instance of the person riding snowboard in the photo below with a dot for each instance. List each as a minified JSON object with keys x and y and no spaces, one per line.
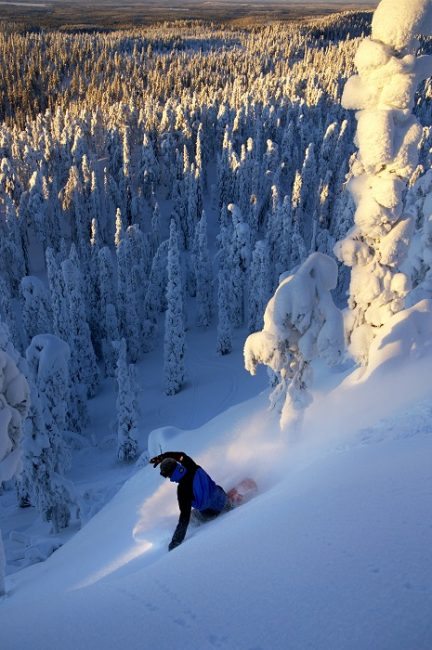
{"x":196,"y":489}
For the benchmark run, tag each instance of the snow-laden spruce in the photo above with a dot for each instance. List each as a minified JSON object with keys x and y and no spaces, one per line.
{"x":14,"y":405}
{"x":107,"y":297}
{"x":203,"y":274}
{"x":301,"y":323}
{"x":127,"y":314}
{"x":47,"y":453}
{"x":224,"y":328}
{"x":155,"y":297}
{"x":36,"y":311}
{"x":175,"y":335}
{"x":78,"y":415}
{"x":388,"y":137}
{"x":259,"y":285}
{"x":418,"y":265}
{"x":59,"y":300}
{"x":48,"y":359}
{"x":126,"y":412}
{"x":12,"y":251}
{"x":240,"y":255}
{"x":84,"y":370}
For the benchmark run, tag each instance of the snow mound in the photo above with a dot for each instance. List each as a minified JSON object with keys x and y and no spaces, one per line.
{"x":406,"y":337}
{"x":336,"y":541}
{"x":395,"y":22}
{"x":339,"y":533}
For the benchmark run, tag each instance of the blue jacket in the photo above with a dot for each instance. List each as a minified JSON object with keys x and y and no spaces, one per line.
{"x":206,"y":494}
{"x":196,"y":489}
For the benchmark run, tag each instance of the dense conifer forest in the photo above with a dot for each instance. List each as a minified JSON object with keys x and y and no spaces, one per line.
{"x":154,"y":180}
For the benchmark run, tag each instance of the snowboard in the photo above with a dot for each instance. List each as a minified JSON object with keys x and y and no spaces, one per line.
{"x":242,"y":492}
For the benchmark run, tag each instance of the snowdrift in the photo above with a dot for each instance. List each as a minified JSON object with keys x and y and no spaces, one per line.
{"x":333,"y":553}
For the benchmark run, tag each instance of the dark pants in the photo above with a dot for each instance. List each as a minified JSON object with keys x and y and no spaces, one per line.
{"x":201,"y":516}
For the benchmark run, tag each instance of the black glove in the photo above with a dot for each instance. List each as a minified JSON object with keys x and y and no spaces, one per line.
{"x":155,"y":460}
{"x":172,"y":545}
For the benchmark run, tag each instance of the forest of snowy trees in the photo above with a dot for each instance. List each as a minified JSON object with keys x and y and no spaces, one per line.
{"x":161,"y":180}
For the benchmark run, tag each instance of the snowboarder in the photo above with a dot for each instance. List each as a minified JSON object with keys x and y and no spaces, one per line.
{"x":196,"y":489}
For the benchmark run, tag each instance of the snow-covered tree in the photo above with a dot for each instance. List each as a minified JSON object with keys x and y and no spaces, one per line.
{"x":8,"y":313}
{"x":126,"y":414}
{"x":240,"y":260}
{"x":301,"y":322}
{"x":36,"y":311}
{"x":224,"y":328}
{"x":140,"y":261}
{"x":259,"y":285}
{"x":418,"y":265}
{"x":388,"y":136}
{"x":31,"y":481}
{"x":307,"y":194}
{"x":60,"y":309}
{"x":14,"y":406}
{"x":97,"y":216}
{"x":175,"y":335}
{"x":107,"y":290}
{"x":112,"y":331}
{"x":65,"y":328}
{"x":155,"y":299}
{"x":203,"y":275}
{"x":10,"y":184}
{"x":35,"y":205}
{"x":132,"y":255}
{"x":108,"y":321}
{"x":224,"y":175}
{"x":155,"y":228}
{"x":48,"y":358}
{"x":298,"y":246}
{"x":149,"y":169}
{"x":120,"y":227}
{"x":84,"y":370}
{"x":48,"y":456}
{"x":13,"y":260}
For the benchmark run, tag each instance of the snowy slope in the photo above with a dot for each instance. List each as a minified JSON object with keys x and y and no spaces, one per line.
{"x":334,"y":552}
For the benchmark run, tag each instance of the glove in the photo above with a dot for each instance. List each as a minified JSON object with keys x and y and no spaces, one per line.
{"x":155,"y":461}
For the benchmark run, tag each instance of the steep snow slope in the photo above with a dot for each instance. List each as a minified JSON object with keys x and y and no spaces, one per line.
{"x":334,"y":552}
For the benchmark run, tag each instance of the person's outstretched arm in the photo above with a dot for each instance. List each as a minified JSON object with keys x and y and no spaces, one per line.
{"x":183,"y":523}
{"x":156,"y":460}
{"x":180,"y":456}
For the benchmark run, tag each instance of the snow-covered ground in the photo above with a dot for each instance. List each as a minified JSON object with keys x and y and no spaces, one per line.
{"x":333,"y":553}
{"x":334,"y":550}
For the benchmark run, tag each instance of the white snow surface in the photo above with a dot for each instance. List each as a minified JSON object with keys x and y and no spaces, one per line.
{"x":333,"y":553}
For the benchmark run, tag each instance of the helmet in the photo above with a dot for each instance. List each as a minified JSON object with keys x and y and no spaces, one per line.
{"x":167,"y":467}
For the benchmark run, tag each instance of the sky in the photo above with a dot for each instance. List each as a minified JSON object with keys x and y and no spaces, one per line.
{"x":188,"y":2}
